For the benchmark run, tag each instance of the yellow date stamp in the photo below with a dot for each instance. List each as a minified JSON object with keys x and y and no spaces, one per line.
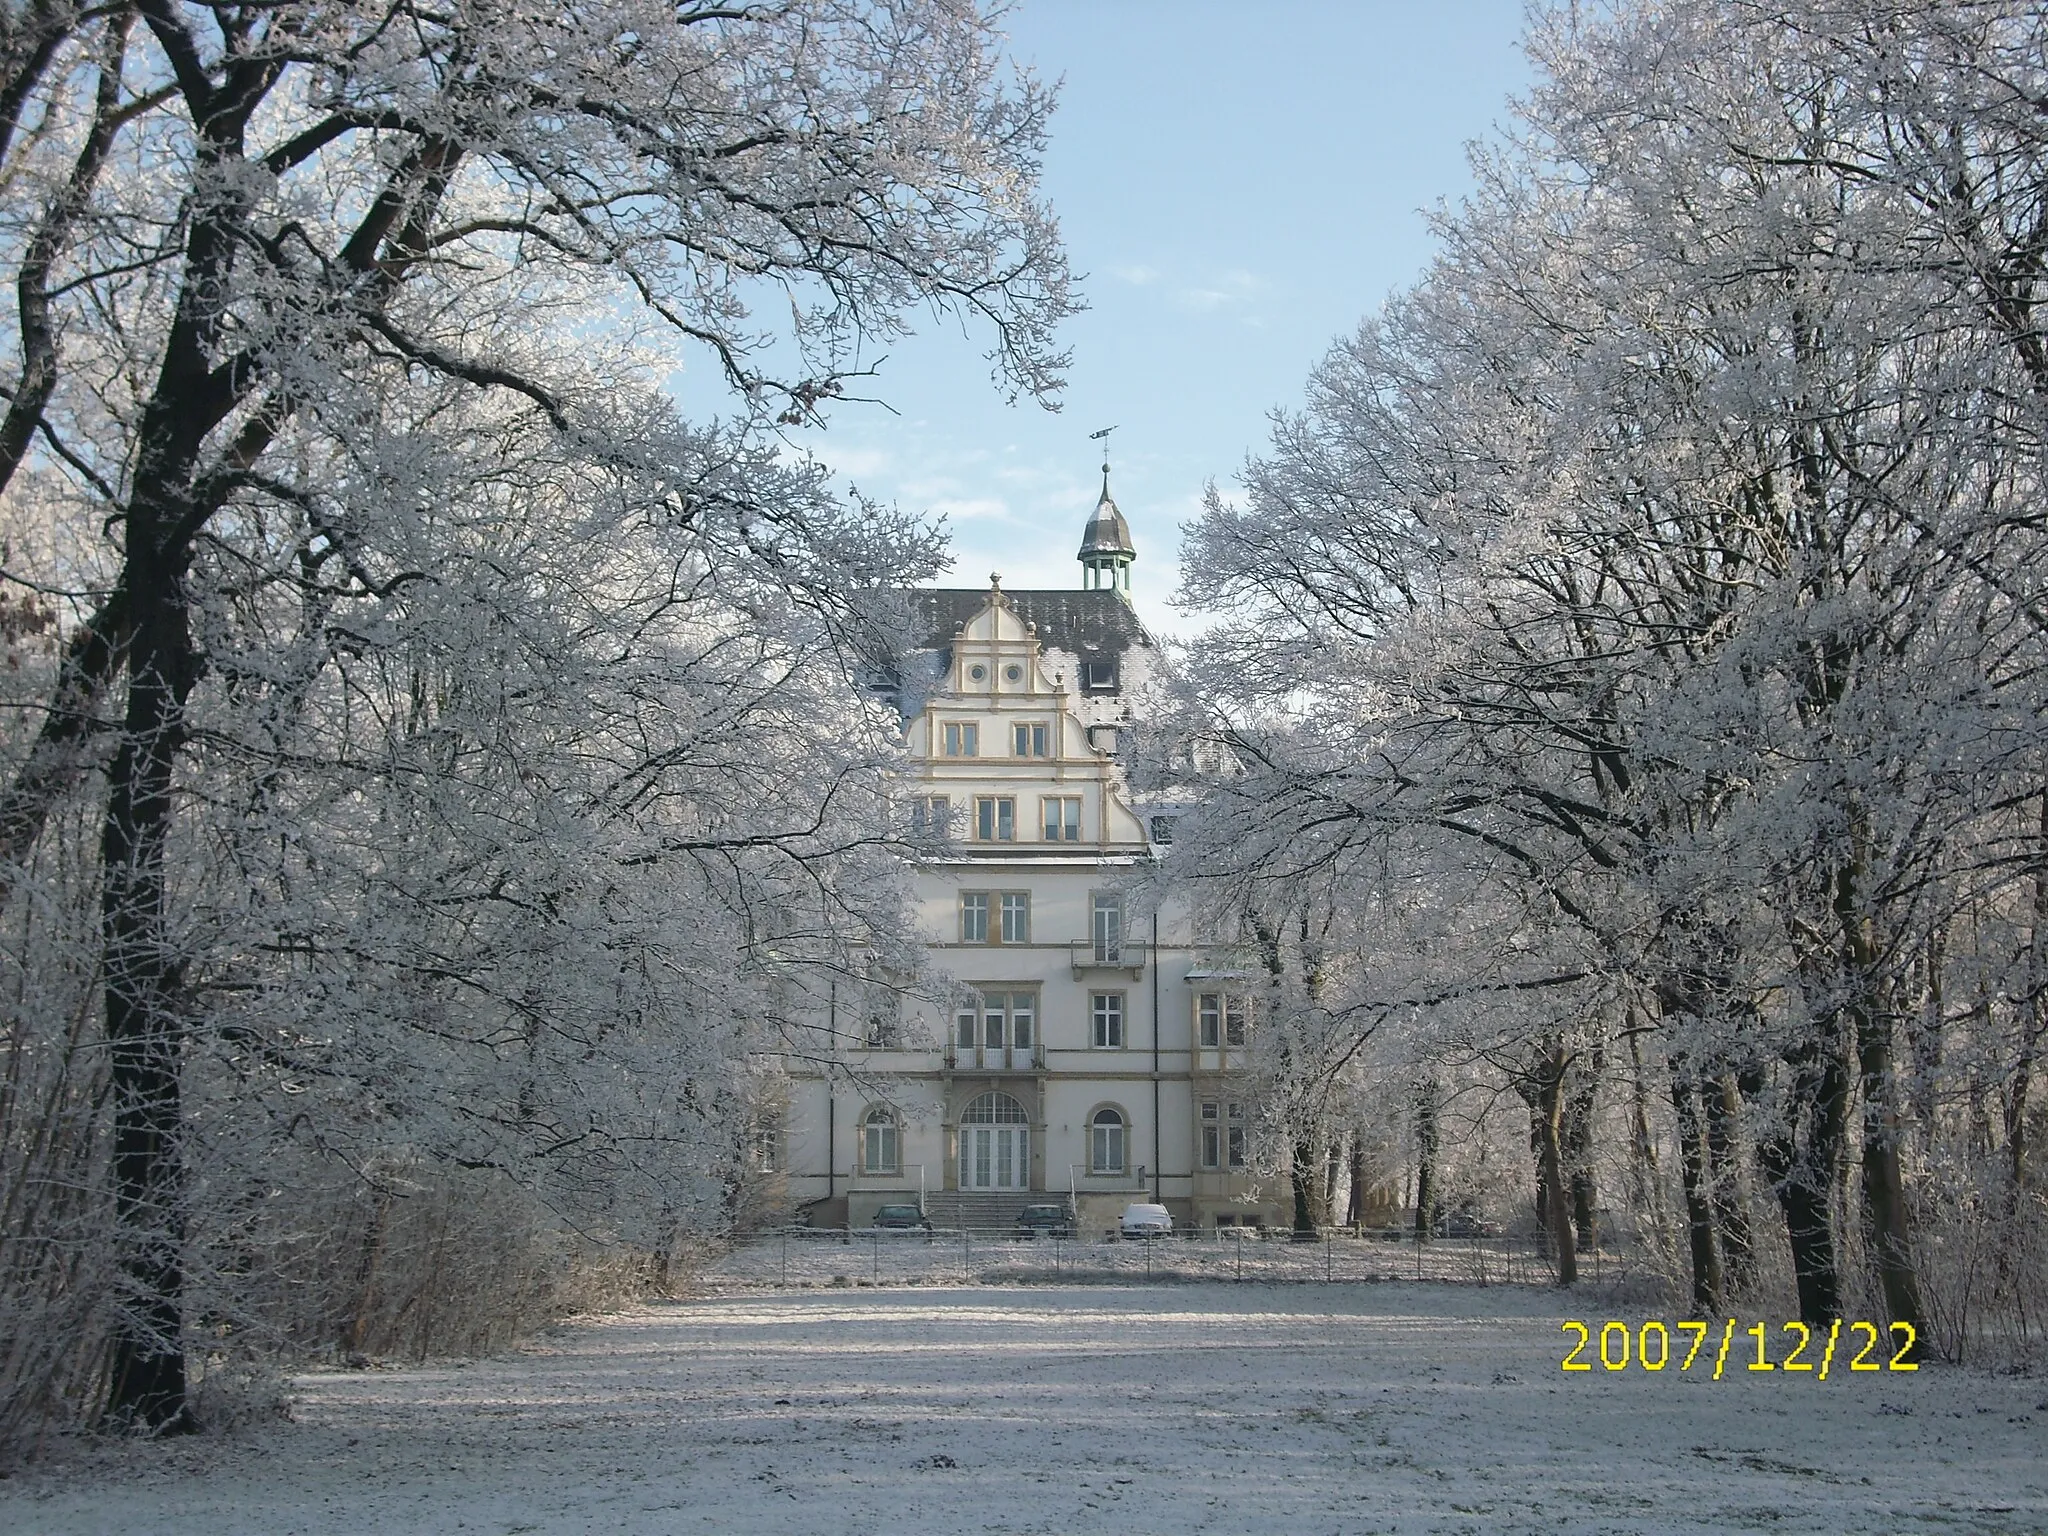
{"x":1656,"y":1346}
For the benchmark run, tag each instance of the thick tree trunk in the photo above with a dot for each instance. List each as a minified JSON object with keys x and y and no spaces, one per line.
{"x":1694,"y":1173}
{"x":145,"y":1028}
{"x":1302,"y":1177}
{"x":1723,"y":1106}
{"x":1577,"y":1134}
{"x":1354,"y":1216}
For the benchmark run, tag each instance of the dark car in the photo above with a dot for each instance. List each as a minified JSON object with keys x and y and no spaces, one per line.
{"x":901,"y":1218}
{"x":1045,"y":1221}
{"x":1465,"y":1224}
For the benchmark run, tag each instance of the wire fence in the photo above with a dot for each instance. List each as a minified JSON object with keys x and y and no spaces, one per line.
{"x":810,"y":1257}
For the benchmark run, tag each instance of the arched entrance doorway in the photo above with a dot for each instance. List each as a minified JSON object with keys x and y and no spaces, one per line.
{"x":995,"y":1144}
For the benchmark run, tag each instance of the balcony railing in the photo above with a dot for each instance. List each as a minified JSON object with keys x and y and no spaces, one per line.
{"x":994,"y":1058}
{"x":1093,"y":956}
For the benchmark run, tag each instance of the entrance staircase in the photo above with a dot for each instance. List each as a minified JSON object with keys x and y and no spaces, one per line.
{"x":982,"y":1210}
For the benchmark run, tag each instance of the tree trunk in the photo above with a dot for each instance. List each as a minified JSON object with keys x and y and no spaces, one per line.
{"x":1427,"y":1146}
{"x":1731,"y":1206}
{"x":1884,"y":1193}
{"x":1302,"y":1176}
{"x":1699,"y":1211}
{"x":1550,"y":1166}
{"x":1577,"y":1148}
{"x":145,"y":1031}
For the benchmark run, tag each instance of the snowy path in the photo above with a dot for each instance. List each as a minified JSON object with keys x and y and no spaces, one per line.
{"x":1254,"y":1408}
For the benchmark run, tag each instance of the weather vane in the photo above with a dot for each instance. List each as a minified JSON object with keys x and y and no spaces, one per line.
{"x":1103,"y":435}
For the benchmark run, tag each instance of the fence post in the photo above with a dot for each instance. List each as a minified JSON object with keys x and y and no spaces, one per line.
{"x":785,"y":1258}
{"x":1327,"y":1251}
{"x":876,"y":1274}
{"x":1240,"y":1252}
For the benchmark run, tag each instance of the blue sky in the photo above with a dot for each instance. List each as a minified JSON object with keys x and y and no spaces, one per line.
{"x":1239,"y":185}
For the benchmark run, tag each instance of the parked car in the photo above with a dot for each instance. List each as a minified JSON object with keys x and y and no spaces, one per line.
{"x":901,"y":1218}
{"x":1045,"y":1221}
{"x":1142,"y":1221}
{"x":1465,"y":1224}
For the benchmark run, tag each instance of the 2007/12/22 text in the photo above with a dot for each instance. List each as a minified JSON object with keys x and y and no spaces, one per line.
{"x":1650,"y":1347}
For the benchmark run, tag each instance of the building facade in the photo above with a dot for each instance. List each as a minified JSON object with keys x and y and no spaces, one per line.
{"x":1087,"y":1051}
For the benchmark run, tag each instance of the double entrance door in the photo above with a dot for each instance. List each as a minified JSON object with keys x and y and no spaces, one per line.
{"x":995,"y":1144}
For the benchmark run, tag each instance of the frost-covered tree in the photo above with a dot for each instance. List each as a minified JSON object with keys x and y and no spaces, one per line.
{"x":467,"y":728}
{"x":1652,"y":566}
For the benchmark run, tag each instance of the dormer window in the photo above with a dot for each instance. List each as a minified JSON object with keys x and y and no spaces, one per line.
{"x":1098,"y":676}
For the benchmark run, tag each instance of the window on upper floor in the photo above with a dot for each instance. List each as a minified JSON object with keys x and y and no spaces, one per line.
{"x":1098,"y":676}
{"x":1223,"y":1134}
{"x":1028,"y":739}
{"x":1015,"y":926}
{"x":1010,"y":911}
{"x":962,"y":738}
{"x":994,"y":1019}
{"x":1106,"y":1017}
{"x":1062,"y":818}
{"x":1106,"y":927}
{"x":995,"y":818}
{"x":931,"y":816}
{"x":974,"y":917}
{"x":1221,"y":1018}
{"x":1162,"y":829}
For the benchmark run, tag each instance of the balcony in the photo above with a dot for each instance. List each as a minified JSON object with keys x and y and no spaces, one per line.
{"x":1090,"y":957}
{"x":994,"y":1058}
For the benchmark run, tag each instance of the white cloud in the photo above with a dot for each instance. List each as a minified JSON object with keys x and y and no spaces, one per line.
{"x":1137,"y":277}
{"x":857,"y":463}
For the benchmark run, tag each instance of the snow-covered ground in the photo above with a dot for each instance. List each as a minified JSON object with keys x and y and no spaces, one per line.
{"x":1212,"y":1406}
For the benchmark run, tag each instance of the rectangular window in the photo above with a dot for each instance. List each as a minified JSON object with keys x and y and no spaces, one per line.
{"x":963,"y":739}
{"x":1106,"y":1010}
{"x":1221,"y":1018}
{"x":880,"y":1152}
{"x":1212,"y":1134}
{"x":974,"y":917}
{"x":1027,"y":740}
{"x":995,"y":819}
{"x":1023,"y":1019}
{"x":1062,"y":818}
{"x":767,"y":1148}
{"x":1106,"y":927}
{"x":1098,"y":676}
{"x":931,"y":816}
{"x":993,"y":1019}
{"x":1162,"y":829}
{"x":1016,"y":917}
{"x":1106,"y":1143}
{"x":1235,"y":1122}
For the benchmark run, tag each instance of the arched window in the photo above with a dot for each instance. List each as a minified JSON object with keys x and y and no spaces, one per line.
{"x":1106,"y":1136}
{"x":994,"y":1109}
{"x":881,"y":1141}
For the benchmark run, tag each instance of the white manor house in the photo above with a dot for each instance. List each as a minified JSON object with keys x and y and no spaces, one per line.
{"x":1093,"y":1051}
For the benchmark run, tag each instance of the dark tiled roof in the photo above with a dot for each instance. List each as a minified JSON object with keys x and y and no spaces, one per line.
{"x":1090,"y":623}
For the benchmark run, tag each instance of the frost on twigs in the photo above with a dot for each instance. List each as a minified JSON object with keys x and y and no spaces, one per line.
{"x":434,"y":761}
